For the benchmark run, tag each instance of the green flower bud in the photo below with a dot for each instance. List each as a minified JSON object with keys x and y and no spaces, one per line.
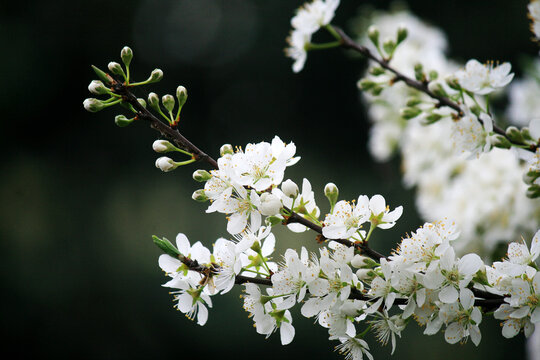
{"x":199,"y":196}
{"x":366,"y":84}
{"x":515,"y":135}
{"x":226,"y":149}
{"x":413,"y":102}
{"x":376,"y":71}
{"x":419,"y":72}
{"x":273,"y":220}
{"x":116,"y":68}
{"x":201,"y":175}
{"x":377,"y":90}
{"x":155,"y":76}
{"x":389,"y":46}
{"x":437,"y":89}
{"x":530,"y":177}
{"x":433,"y":75}
{"x":126,"y":54}
{"x":181,"y":95}
{"x":142,"y":102}
{"x":452,"y":82}
{"x":410,"y":112}
{"x":500,"y":141}
{"x":526,"y":134}
{"x":166,"y":164}
{"x":122,"y":121}
{"x":166,"y":246}
{"x":402,"y":33}
{"x":533,"y":191}
{"x":93,"y":105}
{"x":168,"y":102}
{"x":373,"y":34}
{"x":153,"y":100}
{"x":331,"y":192}
{"x":433,"y":118}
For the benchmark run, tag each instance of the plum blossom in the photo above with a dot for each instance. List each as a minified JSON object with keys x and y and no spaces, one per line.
{"x":483,"y":79}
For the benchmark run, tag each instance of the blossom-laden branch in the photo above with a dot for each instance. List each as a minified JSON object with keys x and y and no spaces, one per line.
{"x":423,"y":279}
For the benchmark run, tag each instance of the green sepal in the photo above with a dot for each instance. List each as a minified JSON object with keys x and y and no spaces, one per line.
{"x":166,"y":246}
{"x":103,"y":76}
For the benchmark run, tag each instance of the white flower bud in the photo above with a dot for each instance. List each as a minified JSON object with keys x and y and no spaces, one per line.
{"x":142,"y":102}
{"x":122,"y":121}
{"x":168,"y":102}
{"x":373,"y":34}
{"x":289,"y":188}
{"x":155,"y":76}
{"x":181,"y":95}
{"x":163,"y":146}
{"x":199,"y":195}
{"x":402,"y":33}
{"x":331,"y":192}
{"x":115,"y":68}
{"x":359,"y":260}
{"x":226,"y":149}
{"x":97,"y":87}
{"x":364,"y":274}
{"x":153,"y":100}
{"x":201,"y":175}
{"x":126,"y":54}
{"x":93,"y":105}
{"x":270,"y":204}
{"x":165,"y":164}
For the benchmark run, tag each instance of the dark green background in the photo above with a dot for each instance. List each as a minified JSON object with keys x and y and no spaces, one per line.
{"x":81,"y":197}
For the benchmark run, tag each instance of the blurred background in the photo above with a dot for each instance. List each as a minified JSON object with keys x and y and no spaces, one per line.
{"x":80,"y":197}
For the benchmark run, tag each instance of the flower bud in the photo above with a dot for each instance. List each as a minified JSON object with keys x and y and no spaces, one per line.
{"x":93,"y":105}
{"x":525,"y":132}
{"x":155,"y":76}
{"x":122,"y":121}
{"x":331,"y":192}
{"x":433,"y":75}
{"x":530,"y":177}
{"x":126,"y":54}
{"x":116,"y":68}
{"x":359,"y":261}
{"x":163,"y":146}
{"x":373,"y":34}
{"x":410,"y":112}
{"x":366,"y":84}
{"x":226,"y":149}
{"x":500,"y":141}
{"x":514,"y":134}
{"x":273,"y":220}
{"x":376,"y":71}
{"x":165,"y":164}
{"x":402,"y":33}
{"x":289,"y":188}
{"x":365,"y":274}
{"x":142,"y":102}
{"x":452,"y":82}
{"x":153,"y":100}
{"x":168,"y":102}
{"x":201,"y":175}
{"x":433,"y":118}
{"x":97,"y":87}
{"x":389,"y":46}
{"x":270,"y":204}
{"x":413,"y":102}
{"x":533,"y":191}
{"x":166,"y":246}
{"x":437,"y":89}
{"x":181,"y":95}
{"x":199,"y":195}
{"x":419,"y":72}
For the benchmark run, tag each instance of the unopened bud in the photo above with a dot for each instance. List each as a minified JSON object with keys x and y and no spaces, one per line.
{"x":163,"y":146}
{"x":155,"y":76}
{"x":413,"y":102}
{"x":402,"y":33}
{"x":331,"y":192}
{"x":365,"y":274}
{"x":289,"y":188}
{"x":377,"y":90}
{"x":153,"y":100}
{"x":376,"y":70}
{"x":359,"y":261}
{"x":270,"y":204}
{"x":273,"y":220}
{"x":533,"y":191}
{"x":168,"y":102}
{"x":525,"y":132}
{"x":437,"y":89}
{"x":433,"y":118}
{"x":514,"y":134}
{"x":122,"y":121}
{"x":142,"y":102}
{"x":530,"y":176}
{"x":419,"y":72}
{"x":373,"y":34}
{"x":165,"y":164}
{"x":201,"y":175}
{"x":500,"y":141}
{"x":452,"y":82}
{"x":199,"y":195}
{"x":116,"y":68}
{"x":97,"y":87}
{"x":366,"y":84}
{"x":410,"y":112}
{"x":389,"y":46}
{"x":181,"y":95}
{"x":226,"y":149}
{"x":93,"y":105}
{"x":126,"y":54}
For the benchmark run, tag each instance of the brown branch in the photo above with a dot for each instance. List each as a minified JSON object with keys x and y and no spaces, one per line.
{"x":348,"y":43}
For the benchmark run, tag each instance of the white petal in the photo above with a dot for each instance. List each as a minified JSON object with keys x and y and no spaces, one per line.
{"x":286,"y":332}
{"x":448,"y":294}
{"x":466,"y":298}
{"x":520,"y":313}
{"x":453,"y":333}
{"x":510,"y":328}
{"x":476,"y":336}
{"x":168,"y":264}
{"x":534,"y":128}
{"x":182,"y":244}
{"x":202,"y":314}
{"x":470,"y":264}
{"x":377,"y":204}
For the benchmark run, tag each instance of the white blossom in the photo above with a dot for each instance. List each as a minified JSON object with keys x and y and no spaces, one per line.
{"x":483,"y":79}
